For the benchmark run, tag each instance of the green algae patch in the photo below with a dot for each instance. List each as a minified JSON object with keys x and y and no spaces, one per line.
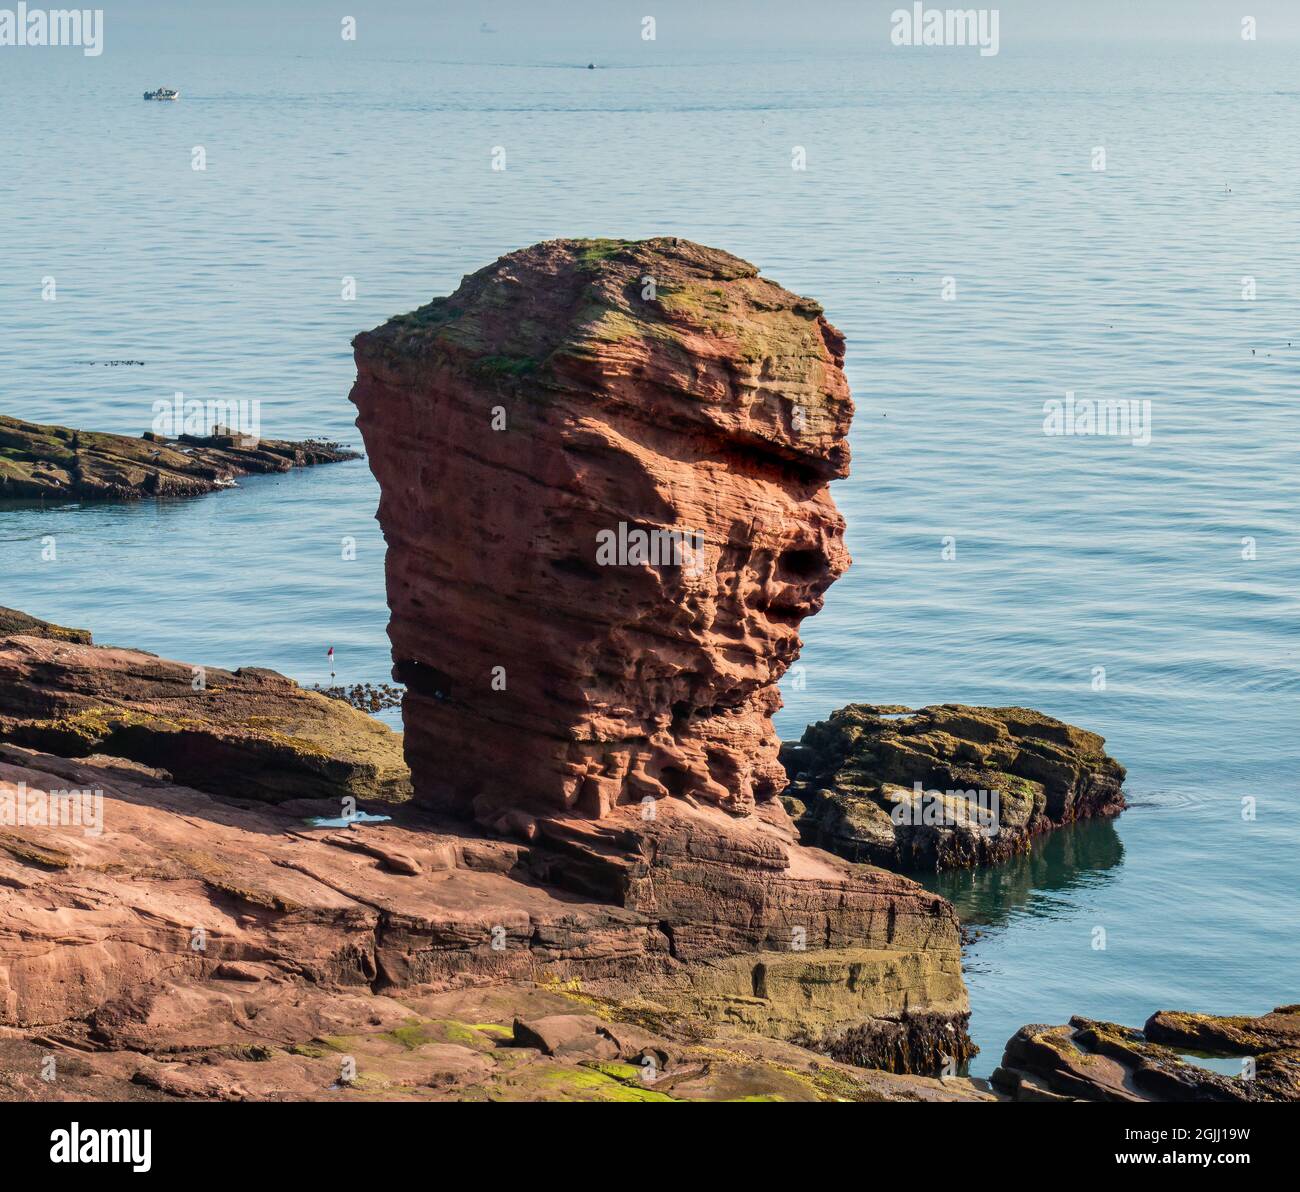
{"x":588,"y":1084}
{"x":312,"y":1052}
{"x":650,"y":1016}
{"x":506,"y":366}
{"x":415,"y":1033}
{"x":593,"y":252}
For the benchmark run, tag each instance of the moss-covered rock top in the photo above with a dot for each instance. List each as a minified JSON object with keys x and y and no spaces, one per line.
{"x":946,"y":786}
{"x":249,"y":733}
{"x":12,"y":621}
{"x":632,"y":322}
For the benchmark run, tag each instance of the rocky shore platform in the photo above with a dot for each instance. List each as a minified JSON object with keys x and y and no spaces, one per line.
{"x":944,"y":787}
{"x":211,"y":937}
{"x":1168,"y":1060}
{"x":57,"y":463}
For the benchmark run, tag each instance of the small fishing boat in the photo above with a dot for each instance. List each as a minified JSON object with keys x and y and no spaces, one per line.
{"x":163,"y":93}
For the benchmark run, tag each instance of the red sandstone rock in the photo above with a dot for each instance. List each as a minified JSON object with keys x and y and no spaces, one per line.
{"x":626,"y":739}
{"x":563,"y":399}
{"x":249,"y":733}
{"x":609,"y":704}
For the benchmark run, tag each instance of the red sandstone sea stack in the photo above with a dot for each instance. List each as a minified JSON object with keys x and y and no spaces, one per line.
{"x":604,"y":468}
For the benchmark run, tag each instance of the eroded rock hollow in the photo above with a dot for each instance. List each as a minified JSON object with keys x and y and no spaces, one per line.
{"x":604,"y":470}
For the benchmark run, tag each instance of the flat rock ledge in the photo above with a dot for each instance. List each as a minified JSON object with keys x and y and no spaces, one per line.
{"x":249,"y":733}
{"x":945,"y":787}
{"x":196,"y":947}
{"x":196,"y":930}
{"x":1165,"y":1061}
{"x":55,"y":462}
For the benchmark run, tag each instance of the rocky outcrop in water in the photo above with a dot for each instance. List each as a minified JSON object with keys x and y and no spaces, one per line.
{"x":250,"y":732}
{"x":604,"y":471}
{"x":1100,"y":1061}
{"x":944,"y":787}
{"x":57,"y":463}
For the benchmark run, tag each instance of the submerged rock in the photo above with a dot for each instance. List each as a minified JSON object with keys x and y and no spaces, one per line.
{"x":249,"y":733}
{"x":604,"y":469}
{"x":946,"y":786}
{"x":59,"y":463}
{"x":1166,"y":1061}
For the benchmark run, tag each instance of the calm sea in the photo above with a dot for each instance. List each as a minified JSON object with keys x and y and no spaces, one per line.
{"x":1174,"y":566}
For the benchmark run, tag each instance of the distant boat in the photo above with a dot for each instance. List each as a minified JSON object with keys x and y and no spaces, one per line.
{"x":162,"y":93}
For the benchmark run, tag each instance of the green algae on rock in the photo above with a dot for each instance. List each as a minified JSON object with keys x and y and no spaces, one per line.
{"x":944,"y":787}
{"x":1103,"y":1061}
{"x":249,"y":733}
{"x":14,"y":622}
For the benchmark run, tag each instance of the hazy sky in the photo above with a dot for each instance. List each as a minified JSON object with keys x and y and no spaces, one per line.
{"x":611,"y":29}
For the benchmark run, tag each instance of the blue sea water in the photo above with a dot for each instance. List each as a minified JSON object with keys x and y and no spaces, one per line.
{"x":1070,"y":553}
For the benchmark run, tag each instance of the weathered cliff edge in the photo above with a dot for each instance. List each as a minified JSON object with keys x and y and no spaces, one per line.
{"x":157,"y":939}
{"x":604,"y":469}
{"x":1101,"y":1061}
{"x":57,"y":463}
{"x":946,"y":786}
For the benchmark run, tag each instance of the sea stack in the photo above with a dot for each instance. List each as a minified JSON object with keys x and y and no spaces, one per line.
{"x":604,"y":468}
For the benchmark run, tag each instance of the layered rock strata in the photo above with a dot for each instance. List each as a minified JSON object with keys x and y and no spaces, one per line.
{"x":249,"y":733}
{"x":58,"y":463}
{"x":1165,"y":1061}
{"x":604,"y":469}
{"x":180,"y":939}
{"x":604,"y":472}
{"x":944,"y":787}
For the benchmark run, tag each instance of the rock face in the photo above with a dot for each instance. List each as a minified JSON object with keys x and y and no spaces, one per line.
{"x":946,"y":786}
{"x":1100,"y":1061}
{"x":200,"y":946}
{"x":604,"y":470}
{"x":58,"y":463}
{"x":250,"y":733}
